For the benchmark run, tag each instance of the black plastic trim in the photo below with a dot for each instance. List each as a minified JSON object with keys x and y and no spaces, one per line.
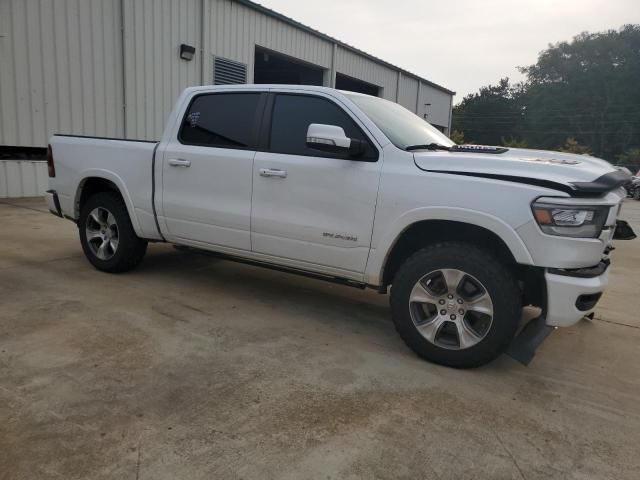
{"x":56,"y":203}
{"x":623,"y":231}
{"x":589,"y":272}
{"x":605,"y":183}
{"x":587,"y":301}
{"x":273,"y":266}
{"x":599,"y":186}
{"x":153,"y":192}
{"x":104,"y":138}
{"x":478,"y":149}
{"x":509,"y":178}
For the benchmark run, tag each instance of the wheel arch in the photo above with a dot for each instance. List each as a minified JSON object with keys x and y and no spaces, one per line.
{"x":93,"y":182}
{"x":420,"y":229}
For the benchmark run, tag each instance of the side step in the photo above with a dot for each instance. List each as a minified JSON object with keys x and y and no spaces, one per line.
{"x":528,"y":339}
{"x":271,"y":266}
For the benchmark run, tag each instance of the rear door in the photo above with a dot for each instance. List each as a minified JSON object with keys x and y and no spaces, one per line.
{"x":207,"y":170}
{"x":313,"y":207}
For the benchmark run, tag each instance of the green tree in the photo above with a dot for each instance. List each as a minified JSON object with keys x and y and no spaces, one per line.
{"x":572,"y":146}
{"x":492,"y":113}
{"x":458,"y":137}
{"x":513,"y":143}
{"x":630,"y":158}
{"x":587,"y":89}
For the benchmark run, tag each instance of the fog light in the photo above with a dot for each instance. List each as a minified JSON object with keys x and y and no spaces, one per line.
{"x":587,"y":302}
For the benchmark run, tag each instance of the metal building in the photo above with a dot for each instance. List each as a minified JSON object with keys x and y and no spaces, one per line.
{"x":114,"y":68}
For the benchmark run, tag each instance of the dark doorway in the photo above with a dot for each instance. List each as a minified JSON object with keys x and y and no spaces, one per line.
{"x":273,"y":67}
{"x":344,"y":82}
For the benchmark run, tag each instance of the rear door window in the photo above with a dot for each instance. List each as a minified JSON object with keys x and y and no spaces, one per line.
{"x":225,"y":120}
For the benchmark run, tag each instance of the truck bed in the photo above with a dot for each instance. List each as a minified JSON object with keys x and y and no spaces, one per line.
{"x":126,"y":163}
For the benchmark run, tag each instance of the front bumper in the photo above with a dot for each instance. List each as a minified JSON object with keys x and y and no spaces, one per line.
{"x":572,"y":294}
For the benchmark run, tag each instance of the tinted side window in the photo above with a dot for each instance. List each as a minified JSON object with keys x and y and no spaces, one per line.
{"x":220,"y":120}
{"x":292,"y":115}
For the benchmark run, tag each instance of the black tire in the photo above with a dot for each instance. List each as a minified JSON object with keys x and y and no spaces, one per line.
{"x":130,"y":248}
{"x":636,"y":193}
{"x":496,"y":278}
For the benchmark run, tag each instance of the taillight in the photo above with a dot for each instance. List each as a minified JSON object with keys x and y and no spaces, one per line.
{"x":50,"y":165}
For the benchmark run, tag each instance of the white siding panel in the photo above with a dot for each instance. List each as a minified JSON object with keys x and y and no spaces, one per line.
{"x":22,"y":178}
{"x":408,"y":92}
{"x":60,"y":64}
{"x":154,"y":72}
{"x":439,"y":111}
{"x":237,"y":29}
{"x":362,"y":68}
{"x":65,"y":69}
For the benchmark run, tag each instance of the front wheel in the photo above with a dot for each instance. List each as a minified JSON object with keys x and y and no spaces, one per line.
{"x":456,"y":304}
{"x":107,"y":236}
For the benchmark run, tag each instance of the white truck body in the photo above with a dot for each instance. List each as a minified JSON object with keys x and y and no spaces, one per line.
{"x":339,"y":217}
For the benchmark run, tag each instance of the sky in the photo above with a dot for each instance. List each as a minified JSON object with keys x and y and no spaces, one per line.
{"x":459,"y":44}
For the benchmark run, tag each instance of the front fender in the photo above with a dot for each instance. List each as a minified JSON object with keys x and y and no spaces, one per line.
{"x":381,"y":249}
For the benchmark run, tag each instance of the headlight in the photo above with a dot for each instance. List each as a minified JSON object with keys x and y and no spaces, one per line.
{"x":570,"y":221}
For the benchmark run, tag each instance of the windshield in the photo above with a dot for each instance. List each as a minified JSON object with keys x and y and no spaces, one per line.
{"x":402,"y":127}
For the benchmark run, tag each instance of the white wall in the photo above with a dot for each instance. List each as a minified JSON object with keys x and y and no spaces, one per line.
{"x":60,"y":69}
{"x":111,"y":67}
{"x":22,"y":178}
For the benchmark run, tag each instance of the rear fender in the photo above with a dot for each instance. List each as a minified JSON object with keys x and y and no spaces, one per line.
{"x":122,"y":189}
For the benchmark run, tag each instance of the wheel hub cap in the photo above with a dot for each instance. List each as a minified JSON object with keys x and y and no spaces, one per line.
{"x":451,"y":309}
{"x":102,"y":233}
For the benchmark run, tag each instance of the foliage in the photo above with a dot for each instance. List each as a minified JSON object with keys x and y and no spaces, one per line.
{"x":630,"y":157}
{"x":587,"y":89}
{"x":513,"y":143}
{"x":487,"y":115}
{"x":458,"y":137}
{"x":572,"y":146}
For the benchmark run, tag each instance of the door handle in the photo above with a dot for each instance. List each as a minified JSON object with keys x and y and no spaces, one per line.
{"x":179,"y":162}
{"x":270,"y":172}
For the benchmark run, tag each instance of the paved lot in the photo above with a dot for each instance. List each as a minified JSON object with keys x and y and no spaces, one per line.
{"x":192,"y":367}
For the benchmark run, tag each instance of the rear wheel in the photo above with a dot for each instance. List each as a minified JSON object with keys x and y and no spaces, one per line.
{"x":107,"y":236}
{"x":455,"y":304}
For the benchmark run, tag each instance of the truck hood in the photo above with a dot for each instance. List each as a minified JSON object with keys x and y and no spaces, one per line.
{"x":577,"y":175}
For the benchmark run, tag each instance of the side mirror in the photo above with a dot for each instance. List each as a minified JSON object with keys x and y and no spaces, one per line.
{"x":331,"y":138}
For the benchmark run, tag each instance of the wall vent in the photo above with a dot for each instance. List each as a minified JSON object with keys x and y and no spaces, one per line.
{"x":228,"y":72}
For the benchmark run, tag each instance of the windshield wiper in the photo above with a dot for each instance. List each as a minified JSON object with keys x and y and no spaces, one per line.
{"x":431,"y":146}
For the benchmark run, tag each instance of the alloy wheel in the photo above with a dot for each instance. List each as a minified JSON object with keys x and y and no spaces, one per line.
{"x":451,"y":309}
{"x":102,"y":234}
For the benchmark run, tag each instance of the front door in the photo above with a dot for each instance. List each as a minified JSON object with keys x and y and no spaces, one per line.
{"x":308,"y":206}
{"x":207,"y":171}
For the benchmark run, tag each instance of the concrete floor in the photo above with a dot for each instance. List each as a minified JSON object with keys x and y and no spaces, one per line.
{"x":192,"y":367}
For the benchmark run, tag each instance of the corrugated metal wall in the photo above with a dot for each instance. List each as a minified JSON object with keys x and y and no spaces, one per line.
{"x":357,"y":66}
{"x":60,"y":69}
{"x":154,"y":74}
{"x":439,"y":110}
{"x":22,"y":178}
{"x":112,"y":67}
{"x":236,"y":29}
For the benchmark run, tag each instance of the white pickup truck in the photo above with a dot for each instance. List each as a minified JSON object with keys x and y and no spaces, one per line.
{"x":356,"y":189}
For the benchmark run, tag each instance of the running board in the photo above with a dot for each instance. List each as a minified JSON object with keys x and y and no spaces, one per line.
{"x":271,"y":266}
{"x":529,"y":338}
